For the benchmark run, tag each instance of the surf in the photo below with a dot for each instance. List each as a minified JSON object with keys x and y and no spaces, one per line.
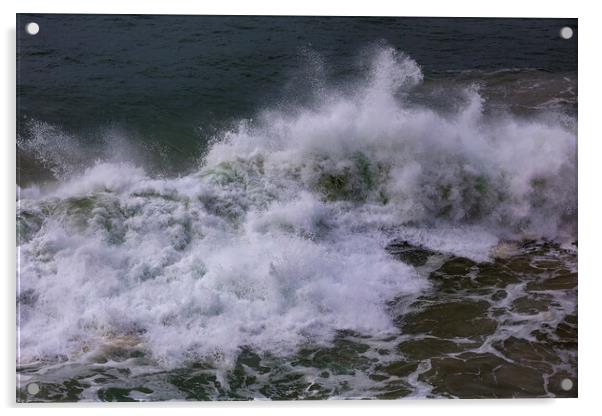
{"x":277,"y":239}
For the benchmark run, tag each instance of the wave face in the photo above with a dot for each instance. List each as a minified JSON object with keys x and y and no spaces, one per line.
{"x":278,"y":239}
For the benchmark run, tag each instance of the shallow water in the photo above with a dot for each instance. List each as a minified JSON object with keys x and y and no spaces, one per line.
{"x":500,"y":329}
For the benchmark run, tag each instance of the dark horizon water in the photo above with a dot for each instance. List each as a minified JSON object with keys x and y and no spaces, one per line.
{"x":241,"y":208}
{"x":173,"y":82}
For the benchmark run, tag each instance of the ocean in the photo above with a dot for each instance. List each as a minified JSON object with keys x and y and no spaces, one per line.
{"x":260,"y":207}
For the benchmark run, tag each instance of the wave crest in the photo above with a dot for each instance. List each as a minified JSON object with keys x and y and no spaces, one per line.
{"x":279,"y":238}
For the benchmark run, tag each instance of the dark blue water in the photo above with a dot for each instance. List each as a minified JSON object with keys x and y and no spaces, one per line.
{"x":177,"y":80}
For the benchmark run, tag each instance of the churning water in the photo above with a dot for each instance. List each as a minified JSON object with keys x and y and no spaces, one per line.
{"x":387,"y":237}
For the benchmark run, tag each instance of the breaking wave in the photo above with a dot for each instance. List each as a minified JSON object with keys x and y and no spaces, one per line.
{"x":278,"y":239}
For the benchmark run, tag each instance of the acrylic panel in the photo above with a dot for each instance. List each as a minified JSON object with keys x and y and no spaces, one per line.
{"x":286,"y":208}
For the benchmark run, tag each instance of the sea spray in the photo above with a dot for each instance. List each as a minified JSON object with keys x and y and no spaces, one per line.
{"x":277,"y":241}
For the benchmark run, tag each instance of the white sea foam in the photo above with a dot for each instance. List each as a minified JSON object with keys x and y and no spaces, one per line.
{"x":278,"y":240}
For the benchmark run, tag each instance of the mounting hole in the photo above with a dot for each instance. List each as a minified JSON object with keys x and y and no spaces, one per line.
{"x":32,"y":28}
{"x":566,"y":384}
{"x":33,"y":388}
{"x":566,"y":32}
